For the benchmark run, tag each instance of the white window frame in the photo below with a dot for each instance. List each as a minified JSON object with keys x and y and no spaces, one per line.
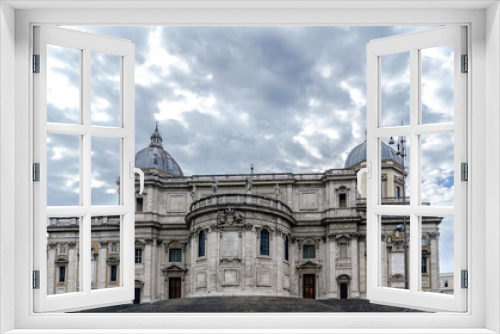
{"x":484,"y":103}
{"x":376,"y":50}
{"x":86,"y":43}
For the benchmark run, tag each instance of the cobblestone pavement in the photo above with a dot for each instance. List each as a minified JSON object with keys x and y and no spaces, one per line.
{"x":251,"y":304}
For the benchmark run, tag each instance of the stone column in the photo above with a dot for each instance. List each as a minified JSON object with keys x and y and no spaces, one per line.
{"x":332,"y":245}
{"x":250,"y":242}
{"x":51,"y":270}
{"x":193,"y":239}
{"x":362,"y":265}
{"x":383,"y":248}
{"x":157,"y":269}
{"x":212,"y":259}
{"x":73,"y":267}
{"x":434,"y":263}
{"x":354,"y":267}
{"x":161,"y":276}
{"x":101,"y":274}
{"x":148,"y":258}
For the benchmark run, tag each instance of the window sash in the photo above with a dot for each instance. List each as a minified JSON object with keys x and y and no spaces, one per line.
{"x":413,"y":297}
{"x":86,"y":43}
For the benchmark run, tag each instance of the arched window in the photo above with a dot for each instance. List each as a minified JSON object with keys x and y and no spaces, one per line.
{"x":201,"y":244}
{"x":286,"y":248}
{"x":264,"y":242}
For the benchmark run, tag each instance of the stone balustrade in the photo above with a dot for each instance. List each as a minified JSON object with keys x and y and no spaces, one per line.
{"x":238,"y":199}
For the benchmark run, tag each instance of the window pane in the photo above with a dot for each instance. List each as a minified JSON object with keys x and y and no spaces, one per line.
{"x":105,"y":245}
{"x":63,"y":170}
{"x":309,"y":252}
{"x":105,"y":89}
{"x":105,"y":157}
{"x":437,"y":84}
{"x":392,"y":246}
{"x":395,"y":89}
{"x":63,"y":84}
{"x":437,"y":169}
{"x":138,"y":256}
{"x":175,"y":255}
{"x":264,"y":242}
{"x":395,"y":158}
{"x":437,"y":254}
{"x":201,"y":244}
{"x":63,"y":266}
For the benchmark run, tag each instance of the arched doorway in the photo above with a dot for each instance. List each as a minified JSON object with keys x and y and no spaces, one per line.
{"x":343,"y":285}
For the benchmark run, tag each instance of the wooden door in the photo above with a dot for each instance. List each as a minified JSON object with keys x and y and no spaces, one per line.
{"x":309,"y":286}
{"x":174,"y":287}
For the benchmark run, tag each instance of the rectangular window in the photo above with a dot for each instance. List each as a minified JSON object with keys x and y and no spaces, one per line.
{"x":62,"y":274}
{"x":139,"y":205}
{"x":114,"y":248}
{"x":113,"y":273}
{"x":342,"y":200}
{"x":175,"y":255}
{"x":138,"y":256}
{"x":424,"y":264}
{"x":309,"y":252}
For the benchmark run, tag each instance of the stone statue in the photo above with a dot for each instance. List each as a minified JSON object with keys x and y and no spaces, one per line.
{"x":277,"y":191}
{"x":249,"y":185}
{"x":194,"y":195}
{"x":214,"y":186}
{"x":238,"y":217}
{"x":221,"y":217}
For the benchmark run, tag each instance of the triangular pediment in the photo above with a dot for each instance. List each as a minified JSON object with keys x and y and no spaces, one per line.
{"x":309,"y":265}
{"x":174,"y":268}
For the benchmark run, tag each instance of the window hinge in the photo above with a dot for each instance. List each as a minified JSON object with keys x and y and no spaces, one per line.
{"x":465,"y":64}
{"x":36,"y":172}
{"x":464,"y":279}
{"x":36,"y":63}
{"x":36,"y":279}
{"x":464,"y":171}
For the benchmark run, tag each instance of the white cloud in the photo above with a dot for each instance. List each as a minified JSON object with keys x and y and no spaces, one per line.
{"x":186,"y":101}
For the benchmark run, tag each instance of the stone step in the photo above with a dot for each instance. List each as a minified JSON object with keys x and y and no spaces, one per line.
{"x":251,"y":304}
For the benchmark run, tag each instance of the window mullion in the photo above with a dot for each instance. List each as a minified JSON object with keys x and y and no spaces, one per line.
{"x":85,"y":160}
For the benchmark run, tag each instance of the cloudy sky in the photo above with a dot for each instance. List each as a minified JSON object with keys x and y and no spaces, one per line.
{"x":286,"y":99}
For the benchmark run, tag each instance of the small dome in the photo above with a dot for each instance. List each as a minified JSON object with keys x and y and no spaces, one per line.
{"x":358,"y":154}
{"x":154,"y":156}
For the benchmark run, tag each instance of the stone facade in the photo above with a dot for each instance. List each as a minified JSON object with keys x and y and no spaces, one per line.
{"x":278,"y":234}
{"x":298,"y":211}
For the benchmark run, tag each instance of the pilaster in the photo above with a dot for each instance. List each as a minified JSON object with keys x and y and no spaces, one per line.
{"x":73,"y":267}
{"x":354,"y":267}
{"x":103,"y":253}
{"x":51,"y":271}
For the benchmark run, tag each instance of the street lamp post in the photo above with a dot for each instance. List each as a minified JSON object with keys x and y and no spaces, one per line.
{"x":402,"y":153}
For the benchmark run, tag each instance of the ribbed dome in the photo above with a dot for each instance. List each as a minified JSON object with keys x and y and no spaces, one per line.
{"x":358,"y":154}
{"x":154,"y":156}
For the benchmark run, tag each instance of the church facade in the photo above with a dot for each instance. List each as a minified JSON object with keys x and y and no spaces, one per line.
{"x":278,"y":234}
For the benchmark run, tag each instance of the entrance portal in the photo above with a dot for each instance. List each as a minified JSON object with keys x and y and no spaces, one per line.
{"x":174,"y":287}
{"x":137,"y":299}
{"x":343,"y":290}
{"x":309,"y":286}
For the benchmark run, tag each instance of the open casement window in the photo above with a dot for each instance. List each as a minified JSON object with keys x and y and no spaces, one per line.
{"x":80,"y":149}
{"x":426,"y":69}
